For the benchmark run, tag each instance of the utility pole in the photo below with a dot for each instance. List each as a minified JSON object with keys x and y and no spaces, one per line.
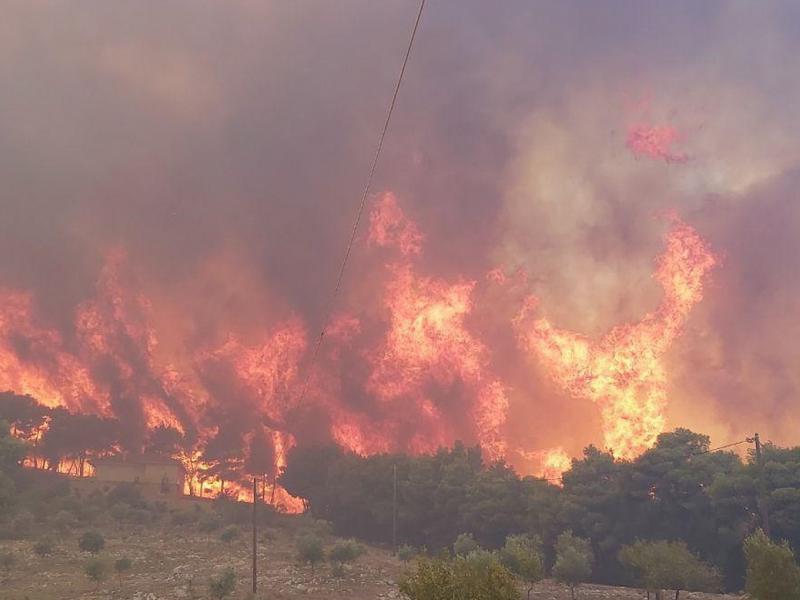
{"x":763,"y":506}
{"x":255,"y":546}
{"x":394,"y":509}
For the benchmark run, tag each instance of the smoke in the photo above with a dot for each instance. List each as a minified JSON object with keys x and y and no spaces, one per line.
{"x":223,"y":148}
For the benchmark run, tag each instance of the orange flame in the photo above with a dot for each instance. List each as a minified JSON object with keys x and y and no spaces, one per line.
{"x":623,"y":371}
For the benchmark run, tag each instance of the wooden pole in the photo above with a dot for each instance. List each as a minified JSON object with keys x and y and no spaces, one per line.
{"x":255,"y":548}
{"x":394,"y":509}
{"x":762,"y":487}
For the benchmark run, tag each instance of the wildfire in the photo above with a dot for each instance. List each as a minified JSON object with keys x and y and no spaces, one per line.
{"x":623,"y":371}
{"x":655,"y":141}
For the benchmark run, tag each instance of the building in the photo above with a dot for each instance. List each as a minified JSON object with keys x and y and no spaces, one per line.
{"x":154,"y":473}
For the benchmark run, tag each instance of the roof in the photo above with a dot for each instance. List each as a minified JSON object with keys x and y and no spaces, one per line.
{"x":136,"y":459}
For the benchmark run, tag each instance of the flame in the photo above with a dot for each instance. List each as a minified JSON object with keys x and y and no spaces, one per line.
{"x":655,"y":141}
{"x":623,"y":371}
{"x":389,"y":227}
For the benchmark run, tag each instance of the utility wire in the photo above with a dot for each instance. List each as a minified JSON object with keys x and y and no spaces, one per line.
{"x":361,"y":205}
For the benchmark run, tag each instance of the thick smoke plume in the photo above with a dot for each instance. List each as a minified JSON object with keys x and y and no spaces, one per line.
{"x":178,"y":186}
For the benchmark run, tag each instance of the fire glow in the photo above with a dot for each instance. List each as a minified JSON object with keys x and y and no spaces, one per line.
{"x":410,"y":373}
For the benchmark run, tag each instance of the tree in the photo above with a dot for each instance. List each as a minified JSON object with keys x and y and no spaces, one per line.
{"x":91,"y":541}
{"x":772,"y":572}
{"x":95,"y":570}
{"x":475,"y":577}
{"x":574,"y":560}
{"x":522,"y":556}
{"x":464,"y":544}
{"x":669,"y":565}
{"x":122,"y":565}
{"x":310,"y":550}
{"x":24,"y":414}
{"x":343,"y":552}
{"x":223,"y":585}
{"x":164,"y":439}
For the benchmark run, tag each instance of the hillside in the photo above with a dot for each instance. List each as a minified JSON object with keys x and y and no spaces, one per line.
{"x":175,"y":561}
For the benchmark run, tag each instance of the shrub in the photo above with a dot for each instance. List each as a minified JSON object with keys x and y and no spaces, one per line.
{"x":669,"y":565}
{"x":406,"y":552}
{"x":309,"y":550}
{"x":574,"y":560}
{"x":482,"y":578}
{"x":22,"y":524}
{"x":223,"y":585}
{"x":64,"y":521}
{"x":230,"y":533}
{"x":126,"y":493}
{"x":122,"y":565}
{"x":184,"y":517}
{"x":91,"y":541}
{"x":343,"y":552}
{"x":464,"y":544}
{"x":772,"y":573}
{"x":209,"y":523}
{"x":7,"y":560}
{"x":522,"y":555}
{"x":95,"y":570}
{"x":43,"y":547}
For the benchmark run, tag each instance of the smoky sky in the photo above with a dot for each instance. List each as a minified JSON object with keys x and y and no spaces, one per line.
{"x":183,"y":131}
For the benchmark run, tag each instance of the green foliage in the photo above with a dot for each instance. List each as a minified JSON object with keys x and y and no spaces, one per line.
{"x":462,"y":577}
{"x":309,"y":549}
{"x":91,"y":541}
{"x":96,"y":569}
{"x":669,"y":565}
{"x":123,"y":565}
{"x":43,"y":547}
{"x":223,"y":585}
{"x":230,"y":533}
{"x":464,"y":544}
{"x":574,"y":560}
{"x":772,"y":572}
{"x":345,"y":551}
{"x":522,"y":555}
{"x":406,"y":552}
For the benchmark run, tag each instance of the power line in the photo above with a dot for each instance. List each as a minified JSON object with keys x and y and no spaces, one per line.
{"x":361,"y":205}
{"x":709,"y":451}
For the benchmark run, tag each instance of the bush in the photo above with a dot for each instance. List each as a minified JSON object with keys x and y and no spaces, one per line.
{"x":772,"y":573}
{"x":464,"y":544}
{"x":444,"y":579}
{"x":209,"y":523}
{"x":669,"y":565}
{"x":522,"y":555}
{"x":343,"y":552}
{"x":406,"y":552}
{"x":126,"y":493}
{"x":122,"y":565}
{"x":95,"y":570}
{"x":223,"y":585}
{"x":91,"y":541}
{"x":64,"y":521}
{"x":22,"y":525}
{"x":43,"y":547}
{"x":574,"y":560}
{"x":309,"y":550}
{"x":230,"y":533}
{"x":184,"y":517}
{"x":7,"y":560}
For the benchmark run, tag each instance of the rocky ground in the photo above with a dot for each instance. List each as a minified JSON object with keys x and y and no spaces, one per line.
{"x":176,"y":563}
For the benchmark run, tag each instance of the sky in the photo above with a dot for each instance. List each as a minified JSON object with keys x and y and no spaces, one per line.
{"x":224,"y":146}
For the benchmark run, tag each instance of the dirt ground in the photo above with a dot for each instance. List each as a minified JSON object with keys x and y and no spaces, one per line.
{"x":176,"y":563}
